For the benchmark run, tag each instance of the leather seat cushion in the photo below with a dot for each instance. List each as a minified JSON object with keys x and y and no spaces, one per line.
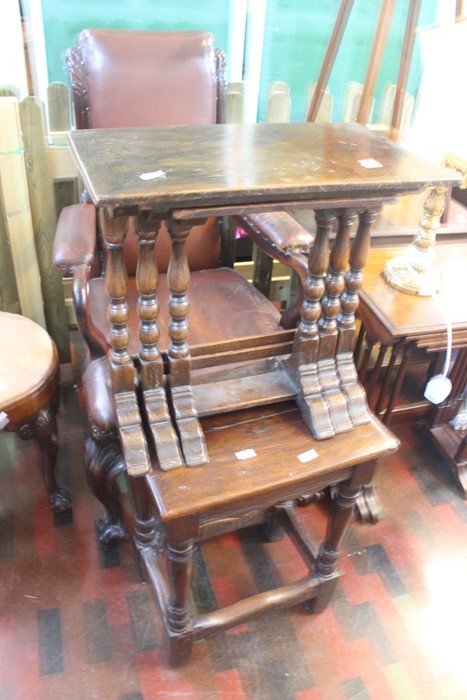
{"x":223,"y":305}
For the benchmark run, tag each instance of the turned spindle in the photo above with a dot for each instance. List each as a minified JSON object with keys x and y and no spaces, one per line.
{"x":302,"y":365}
{"x":152,"y":368}
{"x":124,"y":379}
{"x":350,"y":385}
{"x":186,"y":416}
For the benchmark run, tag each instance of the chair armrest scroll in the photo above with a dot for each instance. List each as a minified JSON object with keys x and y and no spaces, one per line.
{"x":281,"y":237}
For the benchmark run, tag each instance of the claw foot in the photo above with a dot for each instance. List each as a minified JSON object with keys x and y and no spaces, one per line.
{"x":109,"y":530}
{"x":60,"y":501}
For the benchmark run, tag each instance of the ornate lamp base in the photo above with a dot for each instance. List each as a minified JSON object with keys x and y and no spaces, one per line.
{"x":414,"y":272}
{"x":406,"y":276}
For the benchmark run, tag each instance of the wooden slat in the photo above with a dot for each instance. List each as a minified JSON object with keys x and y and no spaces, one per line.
{"x":9,"y":300}
{"x":241,"y":392}
{"x":15,"y":195}
{"x":325,"y":111}
{"x":387,"y":108}
{"x":61,"y":163}
{"x":242,"y":349}
{"x":42,"y":203}
{"x":223,"y":346}
{"x":353,"y":95}
{"x":234,"y":103}
{"x":59,"y":107}
{"x":244,"y":210}
{"x":279,"y":103}
{"x":257,"y":353}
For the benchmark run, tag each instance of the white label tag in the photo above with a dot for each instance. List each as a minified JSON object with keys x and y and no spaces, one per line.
{"x":245,"y":454}
{"x":370,"y":163}
{"x":4,"y":420}
{"x":307,"y":456}
{"x":157,"y":174}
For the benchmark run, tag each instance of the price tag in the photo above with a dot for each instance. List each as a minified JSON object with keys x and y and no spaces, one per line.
{"x":307,"y":456}
{"x":370,"y":163}
{"x":156,"y":175}
{"x":4,"y":420}
{"x":245,"y":454}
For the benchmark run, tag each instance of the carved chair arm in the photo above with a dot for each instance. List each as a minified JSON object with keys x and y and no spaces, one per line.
{"x":73,"y":254}
{"x":281,"y":237}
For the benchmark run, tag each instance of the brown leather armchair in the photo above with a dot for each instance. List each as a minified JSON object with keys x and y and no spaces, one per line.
{"x":150,"y":78}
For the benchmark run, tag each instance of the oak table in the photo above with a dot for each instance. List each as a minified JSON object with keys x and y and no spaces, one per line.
{"x":184,"y":174}
{"x":344,"y":173}
{"x":303,"y":394}
{"x":29,"y":385}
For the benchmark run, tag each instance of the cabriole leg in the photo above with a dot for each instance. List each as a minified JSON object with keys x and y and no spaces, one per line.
{"x":43,"y":429}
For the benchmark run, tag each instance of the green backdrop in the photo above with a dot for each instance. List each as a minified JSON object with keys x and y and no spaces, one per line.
{"x":297,"y":33}
{"x":297,"y":37}
{"x":64,"y":19}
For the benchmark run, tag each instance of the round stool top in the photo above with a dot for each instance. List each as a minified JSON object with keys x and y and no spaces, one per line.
{"x":28,"y":359}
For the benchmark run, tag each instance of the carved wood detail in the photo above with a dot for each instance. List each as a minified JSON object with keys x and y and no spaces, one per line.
{"x":104,"y":463}
{"x":221,"y":73}
{"x":42,"y":427}
{"x":75,"y":64}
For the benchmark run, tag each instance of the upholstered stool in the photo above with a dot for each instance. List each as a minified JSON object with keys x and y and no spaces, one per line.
{"x":29,"y":382}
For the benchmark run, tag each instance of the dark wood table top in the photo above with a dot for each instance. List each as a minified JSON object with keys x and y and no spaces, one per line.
{"x":237,"y":165}
{"x":390,"y":314}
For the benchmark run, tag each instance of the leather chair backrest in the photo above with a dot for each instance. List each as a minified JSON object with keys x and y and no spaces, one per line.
{"x":148,"y":78}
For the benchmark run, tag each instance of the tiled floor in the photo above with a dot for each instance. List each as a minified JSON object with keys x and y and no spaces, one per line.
{"x":76,"y":622}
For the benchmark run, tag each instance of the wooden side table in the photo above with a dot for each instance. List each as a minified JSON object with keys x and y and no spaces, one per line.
{"x":395,"y":326}
{"x":29,"y":383}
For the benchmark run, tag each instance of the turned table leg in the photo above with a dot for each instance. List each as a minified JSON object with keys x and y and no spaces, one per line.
{"x":147,"y":533}
{"x":343,"y":509}
{"x":178,"y":642}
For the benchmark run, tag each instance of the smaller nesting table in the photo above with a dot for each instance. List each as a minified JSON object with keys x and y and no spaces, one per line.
{"x":29,"y":383}
{"x":400,"y":325}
